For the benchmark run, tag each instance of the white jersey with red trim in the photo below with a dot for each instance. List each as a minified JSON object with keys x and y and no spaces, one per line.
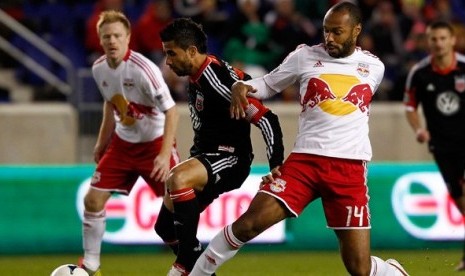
{"x":335,"y":96}
{"x":138,"y":93}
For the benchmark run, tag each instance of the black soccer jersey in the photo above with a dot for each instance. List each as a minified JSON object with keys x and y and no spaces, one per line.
{"x":209,"y":101}
{"x":442,"y":96}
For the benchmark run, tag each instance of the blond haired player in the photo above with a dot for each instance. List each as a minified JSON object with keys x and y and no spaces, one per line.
{"x":137,"y":132}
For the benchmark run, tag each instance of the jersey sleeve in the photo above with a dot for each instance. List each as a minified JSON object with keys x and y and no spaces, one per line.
{"x":410,"y":97}
{"x":285,"y":74}
{"x":157,"y":88}
{"x":269,"y":125}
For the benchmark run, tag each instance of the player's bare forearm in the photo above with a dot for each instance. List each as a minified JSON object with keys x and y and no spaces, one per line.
{"x":421,"y":134}
{"x":239,"y":101}
{"x":161,"y":164}
{"x":106,"y":130}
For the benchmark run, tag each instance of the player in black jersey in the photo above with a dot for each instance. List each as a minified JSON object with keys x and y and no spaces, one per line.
{"x":438,"y":83}
{"x":222,"y":155}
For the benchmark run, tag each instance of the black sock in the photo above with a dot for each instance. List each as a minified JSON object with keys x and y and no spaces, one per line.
{"x":164,"y":227}
{"x":186,"y":217}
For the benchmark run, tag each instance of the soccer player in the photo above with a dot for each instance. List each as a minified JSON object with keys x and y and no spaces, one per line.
{"x":437,"y":83}
{"x":221,"y":155}
{"x":136,"y":136}
{"x":329,"y":160}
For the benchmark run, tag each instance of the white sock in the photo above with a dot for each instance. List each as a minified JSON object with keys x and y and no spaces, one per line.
{"x":220,"y":249}
{"x":93,"y":228}
{"x":380,"y":268}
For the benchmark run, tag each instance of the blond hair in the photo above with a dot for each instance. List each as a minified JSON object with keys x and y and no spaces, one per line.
{"x":112,"y":16}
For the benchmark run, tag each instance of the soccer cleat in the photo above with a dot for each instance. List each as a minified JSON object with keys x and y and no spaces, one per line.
{"x":98,"y":272}
{"x":460,"y":266}
{"x":401,"y":271}
{"x":177,"y":270}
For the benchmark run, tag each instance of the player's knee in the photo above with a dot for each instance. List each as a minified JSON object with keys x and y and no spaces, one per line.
{"x":177,"y":180}
{"x":93,"y":203}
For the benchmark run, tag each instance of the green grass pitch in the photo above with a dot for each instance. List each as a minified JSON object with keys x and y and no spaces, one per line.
{"x":420,"y":262}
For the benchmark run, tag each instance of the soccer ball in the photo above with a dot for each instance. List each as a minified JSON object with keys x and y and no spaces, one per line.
{"x":69,"y":270}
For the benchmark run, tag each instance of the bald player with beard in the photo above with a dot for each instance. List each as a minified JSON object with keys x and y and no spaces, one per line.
{"x":329,"y":160}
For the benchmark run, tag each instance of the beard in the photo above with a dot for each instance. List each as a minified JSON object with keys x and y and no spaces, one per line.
{"x":182,"y":68}
{"x":343,"y":50}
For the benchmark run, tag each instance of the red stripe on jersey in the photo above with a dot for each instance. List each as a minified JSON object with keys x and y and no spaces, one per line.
{"x":146,"y":68}
{"x":197,"y":75}
{"x":255,"y":110}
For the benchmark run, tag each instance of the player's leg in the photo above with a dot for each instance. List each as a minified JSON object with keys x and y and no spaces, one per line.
{"x":355,"y":252}
{"x":93,"y":227}
{"x":345,"y":203}
{"x":215,"y":174}
{"x":164,"y":226}
{"x":452,"y":168}
{"x":184,"y":180}
{"x":460,"y":203}
{"x":114,"y":173}
{"x":263,"y":212}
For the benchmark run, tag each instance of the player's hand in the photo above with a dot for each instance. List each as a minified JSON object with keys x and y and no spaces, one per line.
{"x":99,"y":150}
{"x":270,"y":176}
{"x":161,"y":168}
{"x":239,"y":101}
{"x":422,"y":135}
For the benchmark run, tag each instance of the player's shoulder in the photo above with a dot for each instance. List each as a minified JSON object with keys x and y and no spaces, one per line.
{"x":368,"y":56}
{"x":421,"y":65}
{"x":139,"y":59}
{"x":305,"y":49}
{"x":99,"y":62}
{"x":460,"y":59}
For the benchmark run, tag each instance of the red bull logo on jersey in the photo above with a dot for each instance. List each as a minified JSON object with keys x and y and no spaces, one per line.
{"x":130,"y":219}
{"x":337,"y":94}
{"x":422,"y":206}
{"x":278,"y":186}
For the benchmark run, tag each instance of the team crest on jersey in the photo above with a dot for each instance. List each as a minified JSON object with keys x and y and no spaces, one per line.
{"x":363,"y":69}
{"x":128,"y":83}
{"x":278,"y":185}
{"x":199,"y":101}
{"x":460,"y":83}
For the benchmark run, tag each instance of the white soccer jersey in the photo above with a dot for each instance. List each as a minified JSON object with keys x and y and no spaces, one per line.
{"x":335,"y":96}
{"x":138,"y":93}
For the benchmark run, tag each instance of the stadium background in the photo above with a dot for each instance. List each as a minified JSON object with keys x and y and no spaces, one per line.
{"x":50,"y":115}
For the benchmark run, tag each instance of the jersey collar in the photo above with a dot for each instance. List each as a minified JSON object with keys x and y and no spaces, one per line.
{"x":126,"y":56}
{"x":447,"y":70}
{"x":204,"y":65}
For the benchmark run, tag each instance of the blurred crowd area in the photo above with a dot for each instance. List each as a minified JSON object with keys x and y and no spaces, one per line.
{"x":254,"y":35}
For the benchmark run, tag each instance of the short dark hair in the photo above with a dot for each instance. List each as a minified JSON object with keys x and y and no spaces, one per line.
{"x":440,"y":24}
{"x":184,"y":32}
{"x":353,"y":10}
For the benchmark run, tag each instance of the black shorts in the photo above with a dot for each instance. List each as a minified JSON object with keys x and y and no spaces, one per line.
{"x":226,"y":172}
{"x":452,"y":168}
